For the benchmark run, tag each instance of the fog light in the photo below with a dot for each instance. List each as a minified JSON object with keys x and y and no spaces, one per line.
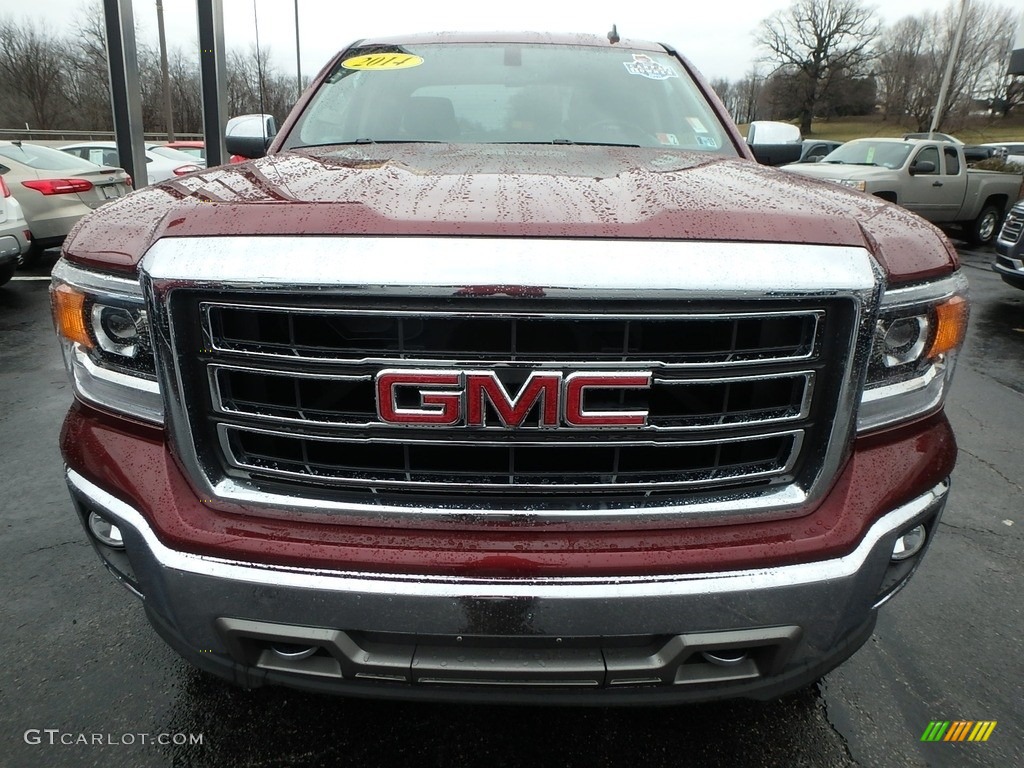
{"x":909,"y":543}
{"x":105,"y":531}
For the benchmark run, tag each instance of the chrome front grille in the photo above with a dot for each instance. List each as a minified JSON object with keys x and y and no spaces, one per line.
{"x":1013,"y":225}
{"x":284,"y":399}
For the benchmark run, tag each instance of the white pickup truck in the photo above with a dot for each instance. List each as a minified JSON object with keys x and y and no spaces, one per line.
{"x":929,"y":178}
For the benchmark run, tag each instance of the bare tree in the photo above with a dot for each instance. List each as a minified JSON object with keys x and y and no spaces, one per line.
{"x":1001,"y":91}
{"x":88,"y":83}
{"x":186,"y":93}
{"x":725,"y":90}
{"x":815,"y":41}
{"x":902,"y":64}
{"x":913,"y":55}
{"x":32,"y":68}
{"x":255,"y":85}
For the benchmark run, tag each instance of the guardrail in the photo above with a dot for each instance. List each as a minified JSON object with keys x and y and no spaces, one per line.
{"x":29,"y":134}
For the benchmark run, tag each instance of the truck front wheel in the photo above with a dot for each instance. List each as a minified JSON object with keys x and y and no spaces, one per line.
{"x":984,"y":228}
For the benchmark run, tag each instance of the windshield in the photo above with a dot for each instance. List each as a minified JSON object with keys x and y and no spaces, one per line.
{"x":44,"y":158}
{"x":510,"y":93}
{"x":885,"y":154}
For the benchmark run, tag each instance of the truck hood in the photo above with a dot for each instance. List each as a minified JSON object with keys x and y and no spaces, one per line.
{"x":838,"y":171}
{"x":507,"y":191}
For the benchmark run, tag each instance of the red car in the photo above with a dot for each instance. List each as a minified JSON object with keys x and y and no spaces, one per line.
{"x":197,"y":148}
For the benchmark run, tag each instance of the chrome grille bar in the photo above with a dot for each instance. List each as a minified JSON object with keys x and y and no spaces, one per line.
{"x":225,"y":323}
{"x":794,"y":407}
{"x":779,"y":452}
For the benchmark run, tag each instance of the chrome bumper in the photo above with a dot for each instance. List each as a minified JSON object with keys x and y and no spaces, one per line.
{"x":638,"y":638}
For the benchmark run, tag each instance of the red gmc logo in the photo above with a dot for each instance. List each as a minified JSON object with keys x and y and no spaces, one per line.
{"x":450,"y":398}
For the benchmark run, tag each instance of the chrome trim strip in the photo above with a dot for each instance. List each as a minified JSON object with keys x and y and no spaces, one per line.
{"x":112,"y":389}
{"x":443,"y":359}
{"x":98,"y":283}
{"x":568,"y":443}
{"x":206,"y":306}
{"x":599,"y":588}
{"x":573,"y":268}
{"x":469,"y":485}
{"x":927,"y":292}
{"x":875,"y":412}
{"x":587,"y":271}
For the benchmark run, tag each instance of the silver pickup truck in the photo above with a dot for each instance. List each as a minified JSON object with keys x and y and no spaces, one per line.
{"x":929,"y":178}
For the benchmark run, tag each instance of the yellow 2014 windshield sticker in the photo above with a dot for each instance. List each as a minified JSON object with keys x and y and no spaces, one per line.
{"x":381,"y":61}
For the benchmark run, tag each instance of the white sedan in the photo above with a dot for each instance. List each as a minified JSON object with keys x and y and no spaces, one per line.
{"x":162,"y":163}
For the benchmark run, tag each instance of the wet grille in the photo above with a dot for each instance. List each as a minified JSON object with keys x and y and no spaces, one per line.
{"x":1013,"y":225}
{"x":284,"y":395}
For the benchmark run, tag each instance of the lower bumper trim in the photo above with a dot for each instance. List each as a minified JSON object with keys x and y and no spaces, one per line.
{"x":603,"y":639}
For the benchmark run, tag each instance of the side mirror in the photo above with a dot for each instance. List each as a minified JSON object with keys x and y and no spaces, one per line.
{"x":772,"y":132}
{"x":776,"y":154}
{"x":774,"y":143}
{"x":924,"y":166}
{"x":250,"y":135}
{"x":249,"y":147}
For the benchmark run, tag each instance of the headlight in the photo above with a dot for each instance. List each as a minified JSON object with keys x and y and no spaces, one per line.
{"x":103,"y":328}
{"x":860,"y":186}
{"x":919,"y":331}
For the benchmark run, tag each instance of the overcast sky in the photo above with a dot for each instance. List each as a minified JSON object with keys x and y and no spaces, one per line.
{"x":716,"y":35}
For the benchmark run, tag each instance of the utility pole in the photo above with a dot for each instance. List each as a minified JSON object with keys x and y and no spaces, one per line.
{"x":944,"y":88}
{"x":298,"y":58}
{"x":168,"y":108}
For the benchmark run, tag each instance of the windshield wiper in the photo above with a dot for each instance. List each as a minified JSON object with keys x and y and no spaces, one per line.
{"x":567,"y":142}
{"x":367,"y":141}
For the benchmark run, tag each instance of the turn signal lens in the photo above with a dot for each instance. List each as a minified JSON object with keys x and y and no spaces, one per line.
{"x":951,"y":322}
{"x":69,"y":315}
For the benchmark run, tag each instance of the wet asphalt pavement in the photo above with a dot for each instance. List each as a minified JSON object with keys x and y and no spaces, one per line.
{"x":81,"y":664}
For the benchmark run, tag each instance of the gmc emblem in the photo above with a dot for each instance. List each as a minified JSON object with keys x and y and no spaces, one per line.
{"x":451,"y":398}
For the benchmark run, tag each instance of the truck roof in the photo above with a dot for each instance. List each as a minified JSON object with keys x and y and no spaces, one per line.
{"x":531,"y":38}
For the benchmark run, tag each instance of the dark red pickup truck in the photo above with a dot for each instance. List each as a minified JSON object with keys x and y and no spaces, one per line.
{"x":508,"y":375}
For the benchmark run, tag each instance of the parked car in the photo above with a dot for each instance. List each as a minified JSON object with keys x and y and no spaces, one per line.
{"x":162,"y":163}
{"x":1010,"y":151}
{"x":190,"y":147}
{"x":198,"y":149}
{"x":14,"y":234}
{"x":56,"y":189}
{"x":1010,"y":248}
{"x":814,"y":150}
{"x":934,"y":137}
{"x":973,"y":153}
{"x":930,"y":178}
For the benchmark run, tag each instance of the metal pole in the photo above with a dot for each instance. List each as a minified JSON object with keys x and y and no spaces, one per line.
{"x":125,"y":88}
{"x":168,"y":108}
{"x":212,"y":69}
{"x":944,"y":88}
{"x":298,"y":58}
